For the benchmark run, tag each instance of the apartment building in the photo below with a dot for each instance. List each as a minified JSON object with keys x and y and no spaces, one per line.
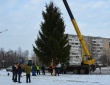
{"x":97,"y":46}
{"x":75,"y":51}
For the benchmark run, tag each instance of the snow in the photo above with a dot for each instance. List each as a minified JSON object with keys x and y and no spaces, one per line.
{"x":63,"y":79}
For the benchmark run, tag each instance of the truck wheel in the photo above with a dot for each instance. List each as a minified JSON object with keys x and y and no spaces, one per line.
{"x":75,"y":71}
{"x":82,"y":71}
{"x":87,"y":71}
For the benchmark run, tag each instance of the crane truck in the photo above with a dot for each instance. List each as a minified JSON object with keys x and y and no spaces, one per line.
{"x":88,"y":63}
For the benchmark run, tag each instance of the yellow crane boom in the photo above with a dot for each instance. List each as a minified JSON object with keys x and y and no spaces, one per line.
{"x":85,"y":49}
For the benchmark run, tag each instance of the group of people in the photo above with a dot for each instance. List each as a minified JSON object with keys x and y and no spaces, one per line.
{"x":54,"y":70}
{"x":58,"y":69}
{"x":17,"y":70}
{"x":37,"y":68}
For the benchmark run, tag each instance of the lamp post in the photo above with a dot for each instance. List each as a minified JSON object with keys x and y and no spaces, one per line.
{"x":3,"y":60}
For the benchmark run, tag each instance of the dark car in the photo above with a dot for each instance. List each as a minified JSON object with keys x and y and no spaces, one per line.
{"x":9,"y":68}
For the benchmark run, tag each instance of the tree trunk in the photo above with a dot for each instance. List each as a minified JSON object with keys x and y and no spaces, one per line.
{"x":54,"y":65}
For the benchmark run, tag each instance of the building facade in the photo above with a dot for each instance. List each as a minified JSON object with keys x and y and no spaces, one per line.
{"x":97,"y":46}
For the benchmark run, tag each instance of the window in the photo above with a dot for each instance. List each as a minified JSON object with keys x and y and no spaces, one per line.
{"x":94,"y":41}
{"x":70,"y":39}
{"x":98,"y":50}
{"x":72,"y":43}
{"x":76,"y":43}
{"x":98,"y":45}
{"x":77,"y":56}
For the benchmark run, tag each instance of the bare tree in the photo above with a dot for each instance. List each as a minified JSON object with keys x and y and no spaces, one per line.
{"x":22,"y":54}
{"x":9,"y":57}
{"x":35,"y":58}
{"x":2,"y":57}
{"x":105,"y":58}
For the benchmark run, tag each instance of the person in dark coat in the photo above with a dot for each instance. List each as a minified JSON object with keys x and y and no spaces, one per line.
{"x":28,"y":71}
{"x":56,"y":71}
{"x":43,"y":69}
{"x":13,"y":72}
{"x":19,"y":72}
{"x":33,"y":70}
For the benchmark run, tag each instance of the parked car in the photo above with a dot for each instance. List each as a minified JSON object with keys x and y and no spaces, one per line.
{"x":9,"y":68}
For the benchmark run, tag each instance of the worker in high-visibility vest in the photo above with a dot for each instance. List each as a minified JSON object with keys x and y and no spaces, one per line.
{"x":38,"y":69}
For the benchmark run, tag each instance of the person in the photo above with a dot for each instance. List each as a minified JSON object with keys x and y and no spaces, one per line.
{"x":56,"y":70}
{"x":59,"y":68}
{"x":23,"y":67}
{"x":43,"y":69}
{"x":13,"y":72}
{"x":51,"y":69}
{"x":100,"y":69}
{"x":19,"y":72}
{"x":33,"y":70}
{"x":28,"y":71}
{"x":38,"y":69}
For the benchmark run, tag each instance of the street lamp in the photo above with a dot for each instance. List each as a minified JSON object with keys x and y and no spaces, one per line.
{"x":3,"y":60}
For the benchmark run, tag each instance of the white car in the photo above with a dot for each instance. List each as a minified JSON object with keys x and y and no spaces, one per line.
{"x":9,"y":68}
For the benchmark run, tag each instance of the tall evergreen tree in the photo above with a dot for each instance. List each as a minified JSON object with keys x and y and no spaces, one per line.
{"x":52,"y":43}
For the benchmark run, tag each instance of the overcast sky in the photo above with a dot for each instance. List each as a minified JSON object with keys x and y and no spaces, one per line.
{"x":22,"y":19}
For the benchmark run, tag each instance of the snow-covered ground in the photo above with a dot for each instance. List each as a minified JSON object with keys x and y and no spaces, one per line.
{"x":63,"y":79}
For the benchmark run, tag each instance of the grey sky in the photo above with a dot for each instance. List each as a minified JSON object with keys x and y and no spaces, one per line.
{"x":22,"y":19}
